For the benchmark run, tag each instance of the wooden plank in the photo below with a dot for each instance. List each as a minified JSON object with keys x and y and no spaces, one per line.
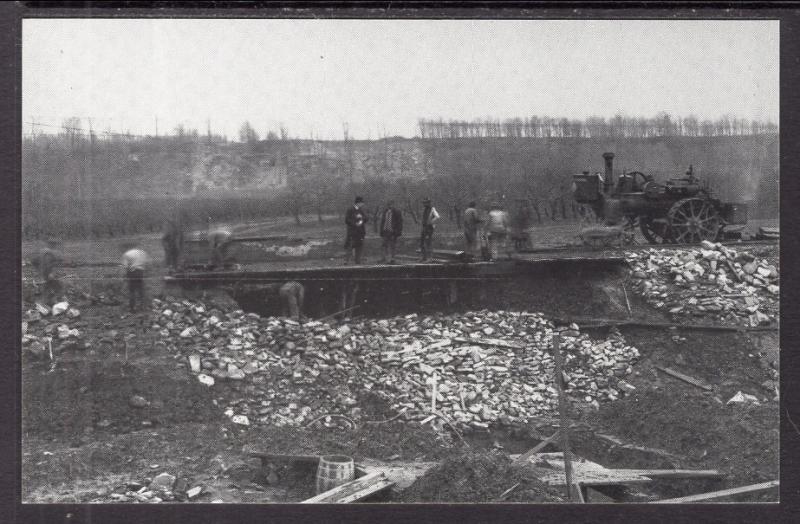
{"x":562,"y":412}
{"x":753,"y":488}
{"x":536,"y":449}
{"x":592,"y":479}
{"x":586,"y":323}
{"x":348,"y":490}
{"x":488,"y":342}
{"x":685,"y":378}
{"x":289,"y":458}
{"x":586,"y":472}
{"x":676,"y":473}
{"x":366,"y":492}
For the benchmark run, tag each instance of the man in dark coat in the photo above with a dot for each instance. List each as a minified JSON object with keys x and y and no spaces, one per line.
{"x":173,"y":238}
{"x":47,"y":261}
{"x":356,"y":220}
{"x":391,"y":229}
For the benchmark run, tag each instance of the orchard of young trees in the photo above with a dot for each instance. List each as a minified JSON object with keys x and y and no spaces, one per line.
{"x":79,"y":182}
{"x":620,"y":126}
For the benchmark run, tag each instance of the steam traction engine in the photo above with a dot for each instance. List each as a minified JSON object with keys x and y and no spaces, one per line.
{"x":680,"y":211}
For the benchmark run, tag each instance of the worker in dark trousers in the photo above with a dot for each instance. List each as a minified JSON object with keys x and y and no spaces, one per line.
{"x":472,"y":221}
{"x":429,"y":218}
{"x":134,"y":262}
{"x":172,"y":240}
{"x":292,"y":296}
{"x":47,"y":261}
{"x":391,"y":229}
{"x":356,"y":221}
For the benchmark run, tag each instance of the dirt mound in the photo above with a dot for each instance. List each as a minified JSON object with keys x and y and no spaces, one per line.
{"x":478,"y":477}
{"x":89,"y":396}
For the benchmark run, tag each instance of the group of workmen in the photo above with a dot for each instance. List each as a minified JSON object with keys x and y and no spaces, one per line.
{"x":135,"y":261}
{"x":496,"y":231}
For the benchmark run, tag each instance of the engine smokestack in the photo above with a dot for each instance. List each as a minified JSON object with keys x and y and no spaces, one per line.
{"x":609,"y":179}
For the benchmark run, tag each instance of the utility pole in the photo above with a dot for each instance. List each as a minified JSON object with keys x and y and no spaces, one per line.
{"x":156,"y":126}
{"x":562,"y":411}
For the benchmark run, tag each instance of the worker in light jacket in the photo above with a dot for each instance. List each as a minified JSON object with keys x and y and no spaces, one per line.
{"x":429,"y":218}
{"x":497,"y":231}
{"x":391,"y":229}
{"x":134,"y":263}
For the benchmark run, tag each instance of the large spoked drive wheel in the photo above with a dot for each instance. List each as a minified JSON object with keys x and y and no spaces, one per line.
{"x":694,"y":220}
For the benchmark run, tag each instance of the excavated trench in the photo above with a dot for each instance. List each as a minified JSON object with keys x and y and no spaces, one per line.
{"x":558,"y":291}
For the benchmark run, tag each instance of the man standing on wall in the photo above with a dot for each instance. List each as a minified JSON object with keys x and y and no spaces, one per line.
{"x":497,"y":228}
{"x":471,"y":222}
{"x":172,"y":240}
{"x":356,"y":221}
{"x":429,"y":218}
{"x":391,"y":229}
{"x":219,"y":240}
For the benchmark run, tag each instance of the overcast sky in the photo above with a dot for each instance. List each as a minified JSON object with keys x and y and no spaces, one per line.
{"x":381,"y":76}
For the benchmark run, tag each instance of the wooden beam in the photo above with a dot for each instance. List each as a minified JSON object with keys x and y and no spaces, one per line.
{"x":536,"y":449}
{"x":609,"y":322}
{"x":488,"y":342}
{"x":686,"y":378}
{"x":675,"y":473}
{"x":753,"y":488}
{"x":562,"y":411}
{"x":266,"y":457}
{"x":352,"y":491}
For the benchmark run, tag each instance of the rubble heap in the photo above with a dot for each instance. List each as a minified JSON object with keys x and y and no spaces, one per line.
{"x":486,"y":367}
{"x":714,"y":281}
{"x":50,"y":330}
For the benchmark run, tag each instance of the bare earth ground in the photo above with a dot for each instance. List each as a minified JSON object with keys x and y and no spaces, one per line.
{"x":81,"y":439}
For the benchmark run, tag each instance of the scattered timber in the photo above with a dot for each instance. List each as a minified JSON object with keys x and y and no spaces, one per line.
{"x":753,"y":488}
{"x":488,"y":342}
{"x":685,"y":378}
{"x":354,"y":490}
{"x":536,"y":449}
{"x":610,"y":322}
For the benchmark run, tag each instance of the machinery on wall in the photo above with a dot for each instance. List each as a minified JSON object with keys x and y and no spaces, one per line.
{"x":679,"y":211}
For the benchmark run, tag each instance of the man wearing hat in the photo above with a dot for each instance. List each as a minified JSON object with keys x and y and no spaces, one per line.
{"x":356,"y":220}
{"x":429,"y":218}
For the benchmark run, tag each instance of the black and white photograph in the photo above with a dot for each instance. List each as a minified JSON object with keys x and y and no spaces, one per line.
{"x":332,"y":260}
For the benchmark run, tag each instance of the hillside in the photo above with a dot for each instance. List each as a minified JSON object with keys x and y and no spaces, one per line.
{"x":64,"y":176}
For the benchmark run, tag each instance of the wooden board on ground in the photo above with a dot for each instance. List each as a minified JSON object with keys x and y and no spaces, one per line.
{"x":275,"y":457}
{"x":403,"y":474}
{"x":488,"y":342}
{"x":753,"y":488}
{"x":550,"y":467}
{"x":686,"y":378}
{"x":354,"y":490}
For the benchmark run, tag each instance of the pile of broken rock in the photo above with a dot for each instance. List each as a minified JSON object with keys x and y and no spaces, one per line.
{"x":46,"y":330}
{"x":483,"y":367}
{"x":714,"y":281}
